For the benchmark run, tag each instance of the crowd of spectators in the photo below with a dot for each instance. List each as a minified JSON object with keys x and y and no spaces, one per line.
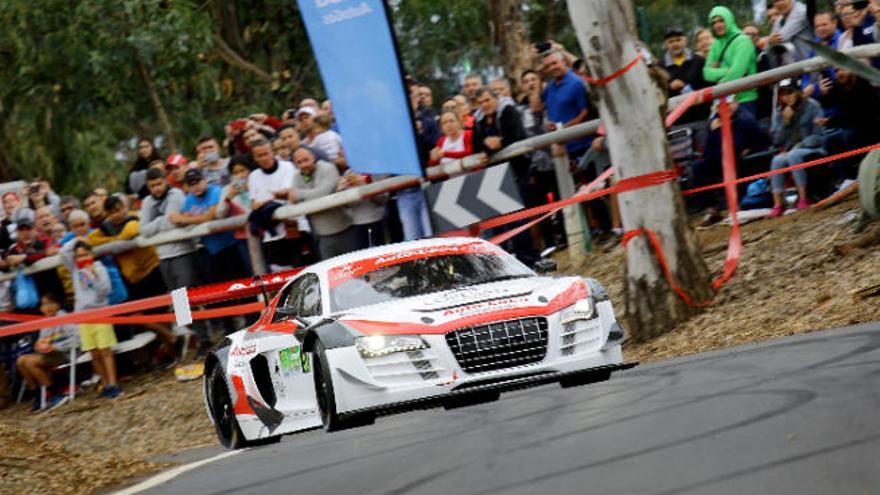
{"x":264,"y":162}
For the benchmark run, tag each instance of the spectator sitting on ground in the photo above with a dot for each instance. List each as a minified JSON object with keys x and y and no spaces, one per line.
{"x":91,"y":287}
{"x":854,"y":121}
{"x":139,"y":267}
{"x":333,"y":228}
{"x":328,"y":141}
{"x":208,"y":159}
{"x":798,"y":130}
{"x":455,"y":143}
{"x":748,"y":138}
{"x":791,"y":27}
{"x":731,"y":57}
{"x":703,"y":40}
{"x":135,"y":183}
{"x":175,"y":167}
{"x":53,"y":347}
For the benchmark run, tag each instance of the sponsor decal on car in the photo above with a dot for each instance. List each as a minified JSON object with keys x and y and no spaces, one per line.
{"x":293,"y":360}
{"x":348,"y":271}
{"x":496,"y":304}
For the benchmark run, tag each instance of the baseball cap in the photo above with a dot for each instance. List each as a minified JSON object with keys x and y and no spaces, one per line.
{"x":673,"y":31}
{"x":193,"y":175}
{"x":24,"y":217}
{"x":309,"y":110}
{"x":176,"y":160}
{"x":787,"y":85}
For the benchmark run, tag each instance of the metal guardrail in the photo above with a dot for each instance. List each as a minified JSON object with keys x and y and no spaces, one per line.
{"x":452,"y":169}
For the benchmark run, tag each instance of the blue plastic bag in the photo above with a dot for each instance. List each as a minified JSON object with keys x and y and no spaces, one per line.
{"x":118,"y":292}
{"x":26,"y":294}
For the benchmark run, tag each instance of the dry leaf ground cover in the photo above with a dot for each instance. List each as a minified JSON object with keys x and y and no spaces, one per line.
{"x":804,"y":272}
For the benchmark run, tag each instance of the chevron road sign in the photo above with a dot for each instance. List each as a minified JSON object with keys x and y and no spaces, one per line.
{"x":464,"y":200}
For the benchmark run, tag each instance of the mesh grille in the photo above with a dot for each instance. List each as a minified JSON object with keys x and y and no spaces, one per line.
{"x":499,"y":345}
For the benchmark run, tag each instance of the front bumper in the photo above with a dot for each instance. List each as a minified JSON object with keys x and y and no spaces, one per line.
{"x":406,"y":379}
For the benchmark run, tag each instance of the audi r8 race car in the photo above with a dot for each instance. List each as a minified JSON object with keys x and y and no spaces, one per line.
{"x":447,"y":321}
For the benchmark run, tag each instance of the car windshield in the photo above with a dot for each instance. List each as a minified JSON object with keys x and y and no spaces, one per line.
{"x":424,"y":275}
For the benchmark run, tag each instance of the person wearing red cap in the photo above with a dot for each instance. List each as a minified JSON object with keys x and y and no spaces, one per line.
{"x":175,"y":165}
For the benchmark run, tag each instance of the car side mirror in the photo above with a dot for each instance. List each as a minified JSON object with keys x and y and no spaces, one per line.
{"x":545,"y":265}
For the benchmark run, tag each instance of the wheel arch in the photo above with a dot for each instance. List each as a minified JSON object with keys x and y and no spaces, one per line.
{"x":332,"y":334}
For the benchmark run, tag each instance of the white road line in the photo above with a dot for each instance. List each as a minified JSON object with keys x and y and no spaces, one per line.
{"x":173,"y":473}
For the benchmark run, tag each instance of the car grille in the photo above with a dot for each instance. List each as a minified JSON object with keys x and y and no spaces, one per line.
{"x":499,"y":345}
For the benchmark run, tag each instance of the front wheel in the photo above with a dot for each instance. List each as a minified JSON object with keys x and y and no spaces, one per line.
{"x":327,"y":397}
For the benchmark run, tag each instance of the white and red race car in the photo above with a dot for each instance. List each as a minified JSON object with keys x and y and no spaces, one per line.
{"x":450,"y":321}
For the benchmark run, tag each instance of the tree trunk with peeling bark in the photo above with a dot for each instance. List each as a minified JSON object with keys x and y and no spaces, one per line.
{"x":510,"y":35}
{"x":164,"y":121}
{"x":632,"y":109}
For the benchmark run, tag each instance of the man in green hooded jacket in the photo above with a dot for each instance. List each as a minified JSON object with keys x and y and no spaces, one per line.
{"x":731,"y":56}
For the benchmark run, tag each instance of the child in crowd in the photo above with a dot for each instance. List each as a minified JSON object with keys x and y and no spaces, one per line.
{"x":53,"y":349}
{"x":91,"y":288}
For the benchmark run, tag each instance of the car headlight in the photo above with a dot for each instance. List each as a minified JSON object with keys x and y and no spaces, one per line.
{"x":581,"y":310}
{"x":382,"y":345}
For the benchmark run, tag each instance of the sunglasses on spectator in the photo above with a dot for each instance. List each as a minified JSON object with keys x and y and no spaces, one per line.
{"x":193,"y":182}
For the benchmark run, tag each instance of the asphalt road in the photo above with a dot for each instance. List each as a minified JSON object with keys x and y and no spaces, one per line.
{"x":797,"y":415}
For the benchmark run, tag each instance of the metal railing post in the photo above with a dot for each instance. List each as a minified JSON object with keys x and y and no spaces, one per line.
{"x":574,"y":230}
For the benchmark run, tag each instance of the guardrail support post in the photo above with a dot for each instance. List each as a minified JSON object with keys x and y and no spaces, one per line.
{"x":255,"y":249}
{"x":575,"y":234}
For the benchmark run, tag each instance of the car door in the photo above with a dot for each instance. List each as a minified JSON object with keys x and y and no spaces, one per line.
{"x":289,"y":366}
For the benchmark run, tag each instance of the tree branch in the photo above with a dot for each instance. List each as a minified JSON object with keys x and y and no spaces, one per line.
{"x":233,"y":58}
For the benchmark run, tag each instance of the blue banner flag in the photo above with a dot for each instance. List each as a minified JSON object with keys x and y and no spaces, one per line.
{"x":356,"y":54}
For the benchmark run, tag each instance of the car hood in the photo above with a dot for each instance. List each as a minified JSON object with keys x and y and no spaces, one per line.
{"x":449,"y":310}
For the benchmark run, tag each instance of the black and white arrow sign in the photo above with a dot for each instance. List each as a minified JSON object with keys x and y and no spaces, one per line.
{"x":464,"y":200}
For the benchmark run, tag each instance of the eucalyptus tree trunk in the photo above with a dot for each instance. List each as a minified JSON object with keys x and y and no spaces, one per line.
{"x":510,"y":35}
{"x":632,"y":109}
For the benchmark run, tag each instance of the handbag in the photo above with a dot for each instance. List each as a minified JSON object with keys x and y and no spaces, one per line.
{"x":26,"y":294}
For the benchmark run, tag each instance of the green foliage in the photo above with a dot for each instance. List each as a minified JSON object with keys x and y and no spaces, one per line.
{"x":77,"y":76}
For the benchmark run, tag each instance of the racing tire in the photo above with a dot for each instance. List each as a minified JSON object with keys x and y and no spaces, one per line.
{"x":585,"y":378}
{"x":472,"y":399}
{"x":326,"y":396}
{"x":225,"y":424}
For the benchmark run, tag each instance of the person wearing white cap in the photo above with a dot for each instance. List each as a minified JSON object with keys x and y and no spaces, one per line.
{"x":305,"y":123}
